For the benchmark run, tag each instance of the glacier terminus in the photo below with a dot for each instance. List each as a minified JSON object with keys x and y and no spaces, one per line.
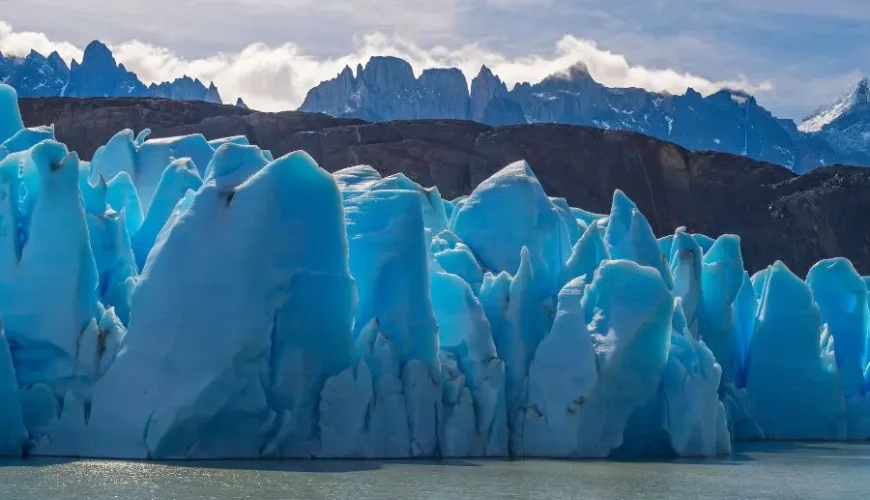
{"x":178,"y":298}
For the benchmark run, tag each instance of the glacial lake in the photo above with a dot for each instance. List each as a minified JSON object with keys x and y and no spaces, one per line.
{"x":780,"y":471}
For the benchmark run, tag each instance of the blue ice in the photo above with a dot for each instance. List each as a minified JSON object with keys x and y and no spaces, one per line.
{"x":184,"y":298}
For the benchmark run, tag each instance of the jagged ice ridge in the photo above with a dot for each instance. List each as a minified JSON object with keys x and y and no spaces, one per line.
{"x":180,"y":298}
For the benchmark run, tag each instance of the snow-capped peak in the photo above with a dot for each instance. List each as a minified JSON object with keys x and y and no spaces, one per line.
{"x":854,"y":96}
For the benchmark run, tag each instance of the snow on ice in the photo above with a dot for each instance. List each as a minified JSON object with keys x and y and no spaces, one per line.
{"x":183,"y":298}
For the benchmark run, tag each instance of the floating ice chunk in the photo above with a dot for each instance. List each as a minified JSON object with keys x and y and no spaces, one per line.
{"x":794,"y":393}
{"x":10,"y":117}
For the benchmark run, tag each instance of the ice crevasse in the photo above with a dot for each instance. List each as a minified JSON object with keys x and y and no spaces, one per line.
{"x":193,"y":299}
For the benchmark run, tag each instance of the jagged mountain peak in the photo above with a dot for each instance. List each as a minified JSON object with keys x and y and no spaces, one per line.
{"x":99,"y":51}
{"x":35,"y":55}
{"x":58,"y":62}
{"x":691,"y":93}
{"x":575,"y":72}
{"x":485,"y":72}
{"x":347,"y":73}
{"x":855,"y":96}
{"x":728,"y":96}
{"x":384,"y":71}
{"x":388,"y":63}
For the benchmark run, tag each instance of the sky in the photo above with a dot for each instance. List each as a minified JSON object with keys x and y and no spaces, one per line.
{"x":793,"y":55}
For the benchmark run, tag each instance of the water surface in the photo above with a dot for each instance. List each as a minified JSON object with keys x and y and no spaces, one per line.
{"x":782,"y":471}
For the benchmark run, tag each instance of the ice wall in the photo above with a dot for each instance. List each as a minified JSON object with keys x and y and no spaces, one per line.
{"x":177,"y":298}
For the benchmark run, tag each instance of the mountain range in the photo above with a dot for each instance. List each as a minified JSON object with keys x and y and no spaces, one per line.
{"x":386,"y":89}
{"x":98,"y":75}
{"x":728,"y":121}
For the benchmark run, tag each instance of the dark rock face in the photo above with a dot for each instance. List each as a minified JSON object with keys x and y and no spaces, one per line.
{"x":86,"y":124}
{"x":98,"y":75}
{"x":796,"y":219}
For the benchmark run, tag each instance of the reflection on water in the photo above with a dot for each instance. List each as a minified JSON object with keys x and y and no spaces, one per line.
{"x":780,"y":471}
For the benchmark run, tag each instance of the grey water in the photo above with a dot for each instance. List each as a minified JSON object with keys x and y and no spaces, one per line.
{"x":780,"y":471}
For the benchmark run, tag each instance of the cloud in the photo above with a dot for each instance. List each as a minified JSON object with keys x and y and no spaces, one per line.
{"x":22,"y":42}
{"x":276,"y":78}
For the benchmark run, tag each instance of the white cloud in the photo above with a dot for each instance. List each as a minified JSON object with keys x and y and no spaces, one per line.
{"x":277,"y":77}
{"x":22,"y":42}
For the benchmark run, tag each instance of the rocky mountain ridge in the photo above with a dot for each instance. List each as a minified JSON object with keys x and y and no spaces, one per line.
{"x":97,"y":75}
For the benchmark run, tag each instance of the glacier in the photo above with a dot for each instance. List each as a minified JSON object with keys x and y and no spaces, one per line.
{"x":178,"y":298}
